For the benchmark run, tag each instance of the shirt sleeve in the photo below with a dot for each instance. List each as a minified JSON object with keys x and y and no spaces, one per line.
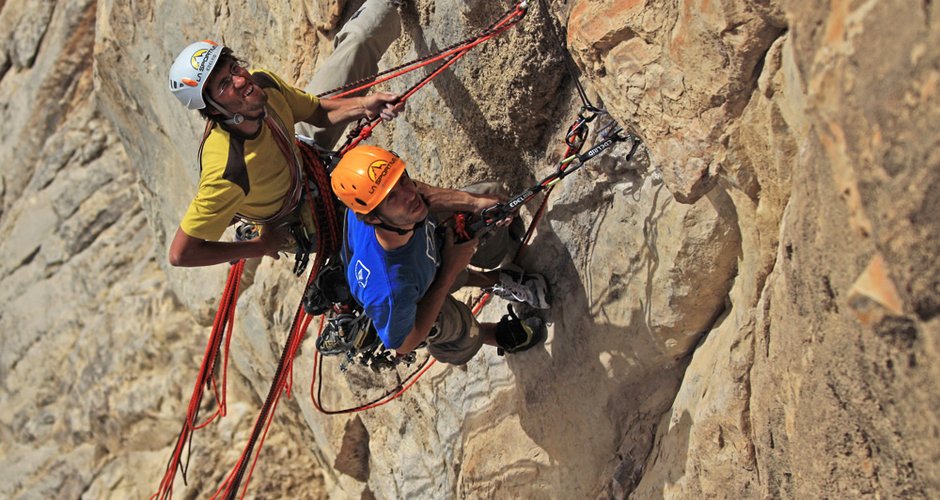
{"x":210,"y":212}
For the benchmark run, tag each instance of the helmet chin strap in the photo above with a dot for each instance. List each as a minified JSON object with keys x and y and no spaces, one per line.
{"x":231,"y":119}
{"x":398,"y":230}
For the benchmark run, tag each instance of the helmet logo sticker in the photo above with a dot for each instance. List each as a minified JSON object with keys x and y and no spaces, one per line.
{"x":377,"y":171}
{"x":198,"y":55}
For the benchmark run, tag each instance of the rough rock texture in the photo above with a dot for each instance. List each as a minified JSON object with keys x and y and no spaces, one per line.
{"x":96,"y":351}
{"x":748,"y":309}
{"x":680,"y":72}
{"x":817,"y":380}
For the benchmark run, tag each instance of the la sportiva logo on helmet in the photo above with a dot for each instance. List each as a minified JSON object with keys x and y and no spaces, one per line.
{"x":377,"y":171}
{"x":198,"y":62}
{"x":195,"y":60}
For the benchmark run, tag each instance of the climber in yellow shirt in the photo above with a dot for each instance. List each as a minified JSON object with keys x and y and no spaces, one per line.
{"x":245,"y":172}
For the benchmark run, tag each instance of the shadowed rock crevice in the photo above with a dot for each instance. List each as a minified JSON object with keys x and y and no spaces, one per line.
{"x":353,"y":456}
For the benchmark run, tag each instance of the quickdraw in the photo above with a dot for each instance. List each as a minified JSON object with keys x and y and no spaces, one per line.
{"x":467,"y":225}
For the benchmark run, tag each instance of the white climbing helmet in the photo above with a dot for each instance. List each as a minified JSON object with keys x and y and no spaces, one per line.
{"x":191,"y":69}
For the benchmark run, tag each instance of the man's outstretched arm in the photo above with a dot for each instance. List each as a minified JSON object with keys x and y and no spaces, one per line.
{"x":452,"y":200}
{"x":187,"y":251}
{"x":340,"y":111}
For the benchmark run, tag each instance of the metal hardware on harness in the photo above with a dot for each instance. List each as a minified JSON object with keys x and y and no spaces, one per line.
{"x":246,"y":231}
{"x":301,"y":258}
{"x":352,"y":334}
{"x":328,"y":289}
{"x":344,"y":333}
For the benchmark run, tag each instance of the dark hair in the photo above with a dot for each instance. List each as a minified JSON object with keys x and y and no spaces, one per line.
{"x":226,"y":58}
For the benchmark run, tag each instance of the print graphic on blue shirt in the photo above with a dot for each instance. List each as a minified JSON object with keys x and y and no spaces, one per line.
{"x":390,"y":284}
{"x":362,"y":274}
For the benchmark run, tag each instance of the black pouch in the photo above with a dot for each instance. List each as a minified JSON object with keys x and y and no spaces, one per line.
{"x":327,"y":289}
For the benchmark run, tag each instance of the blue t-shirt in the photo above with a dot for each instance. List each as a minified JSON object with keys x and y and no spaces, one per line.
{"x":389,"y":285}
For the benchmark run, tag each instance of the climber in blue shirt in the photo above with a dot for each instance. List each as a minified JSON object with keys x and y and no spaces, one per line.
{"x":402,"y":270}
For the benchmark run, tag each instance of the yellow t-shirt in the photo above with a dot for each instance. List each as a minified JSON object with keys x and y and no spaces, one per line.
{"x":246,"y":175}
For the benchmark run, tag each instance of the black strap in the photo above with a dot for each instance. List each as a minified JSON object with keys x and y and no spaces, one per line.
{"x":400,"y":231}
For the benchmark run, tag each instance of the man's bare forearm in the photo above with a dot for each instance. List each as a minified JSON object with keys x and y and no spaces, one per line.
{"x":187,"y":251}
{"x":337,"y":112}
{"x":452,"y":200}
{"x":427,"y":311}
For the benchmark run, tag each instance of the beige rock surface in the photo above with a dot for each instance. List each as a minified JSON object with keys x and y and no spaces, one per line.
{"x":808,"y":386}
{"x":747,"y":310}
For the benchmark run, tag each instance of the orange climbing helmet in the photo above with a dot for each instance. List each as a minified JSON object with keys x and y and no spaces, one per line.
{"x":364,"y":177}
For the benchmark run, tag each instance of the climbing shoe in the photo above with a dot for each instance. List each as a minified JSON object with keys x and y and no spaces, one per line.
{"x":518,"y":286}
{"x":517,"y":335}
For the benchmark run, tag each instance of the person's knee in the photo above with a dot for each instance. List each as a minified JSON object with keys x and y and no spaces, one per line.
{"x":451,"y":356}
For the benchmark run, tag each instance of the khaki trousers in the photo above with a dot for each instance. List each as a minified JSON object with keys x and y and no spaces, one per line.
{"x":357,"y":49}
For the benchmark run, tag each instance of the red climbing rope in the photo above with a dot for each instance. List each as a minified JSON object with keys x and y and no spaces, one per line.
{"x":326,"y":220}
{"x":506,"y":21}
{"x":388,"y":397}
{"x":449,"y":56}
{"x":221,"y":328}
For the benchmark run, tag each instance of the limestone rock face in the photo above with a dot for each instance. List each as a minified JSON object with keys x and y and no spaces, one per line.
{"x":679,"y":73}
{"x":746,"y":308}
{"x":796,"y":391}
